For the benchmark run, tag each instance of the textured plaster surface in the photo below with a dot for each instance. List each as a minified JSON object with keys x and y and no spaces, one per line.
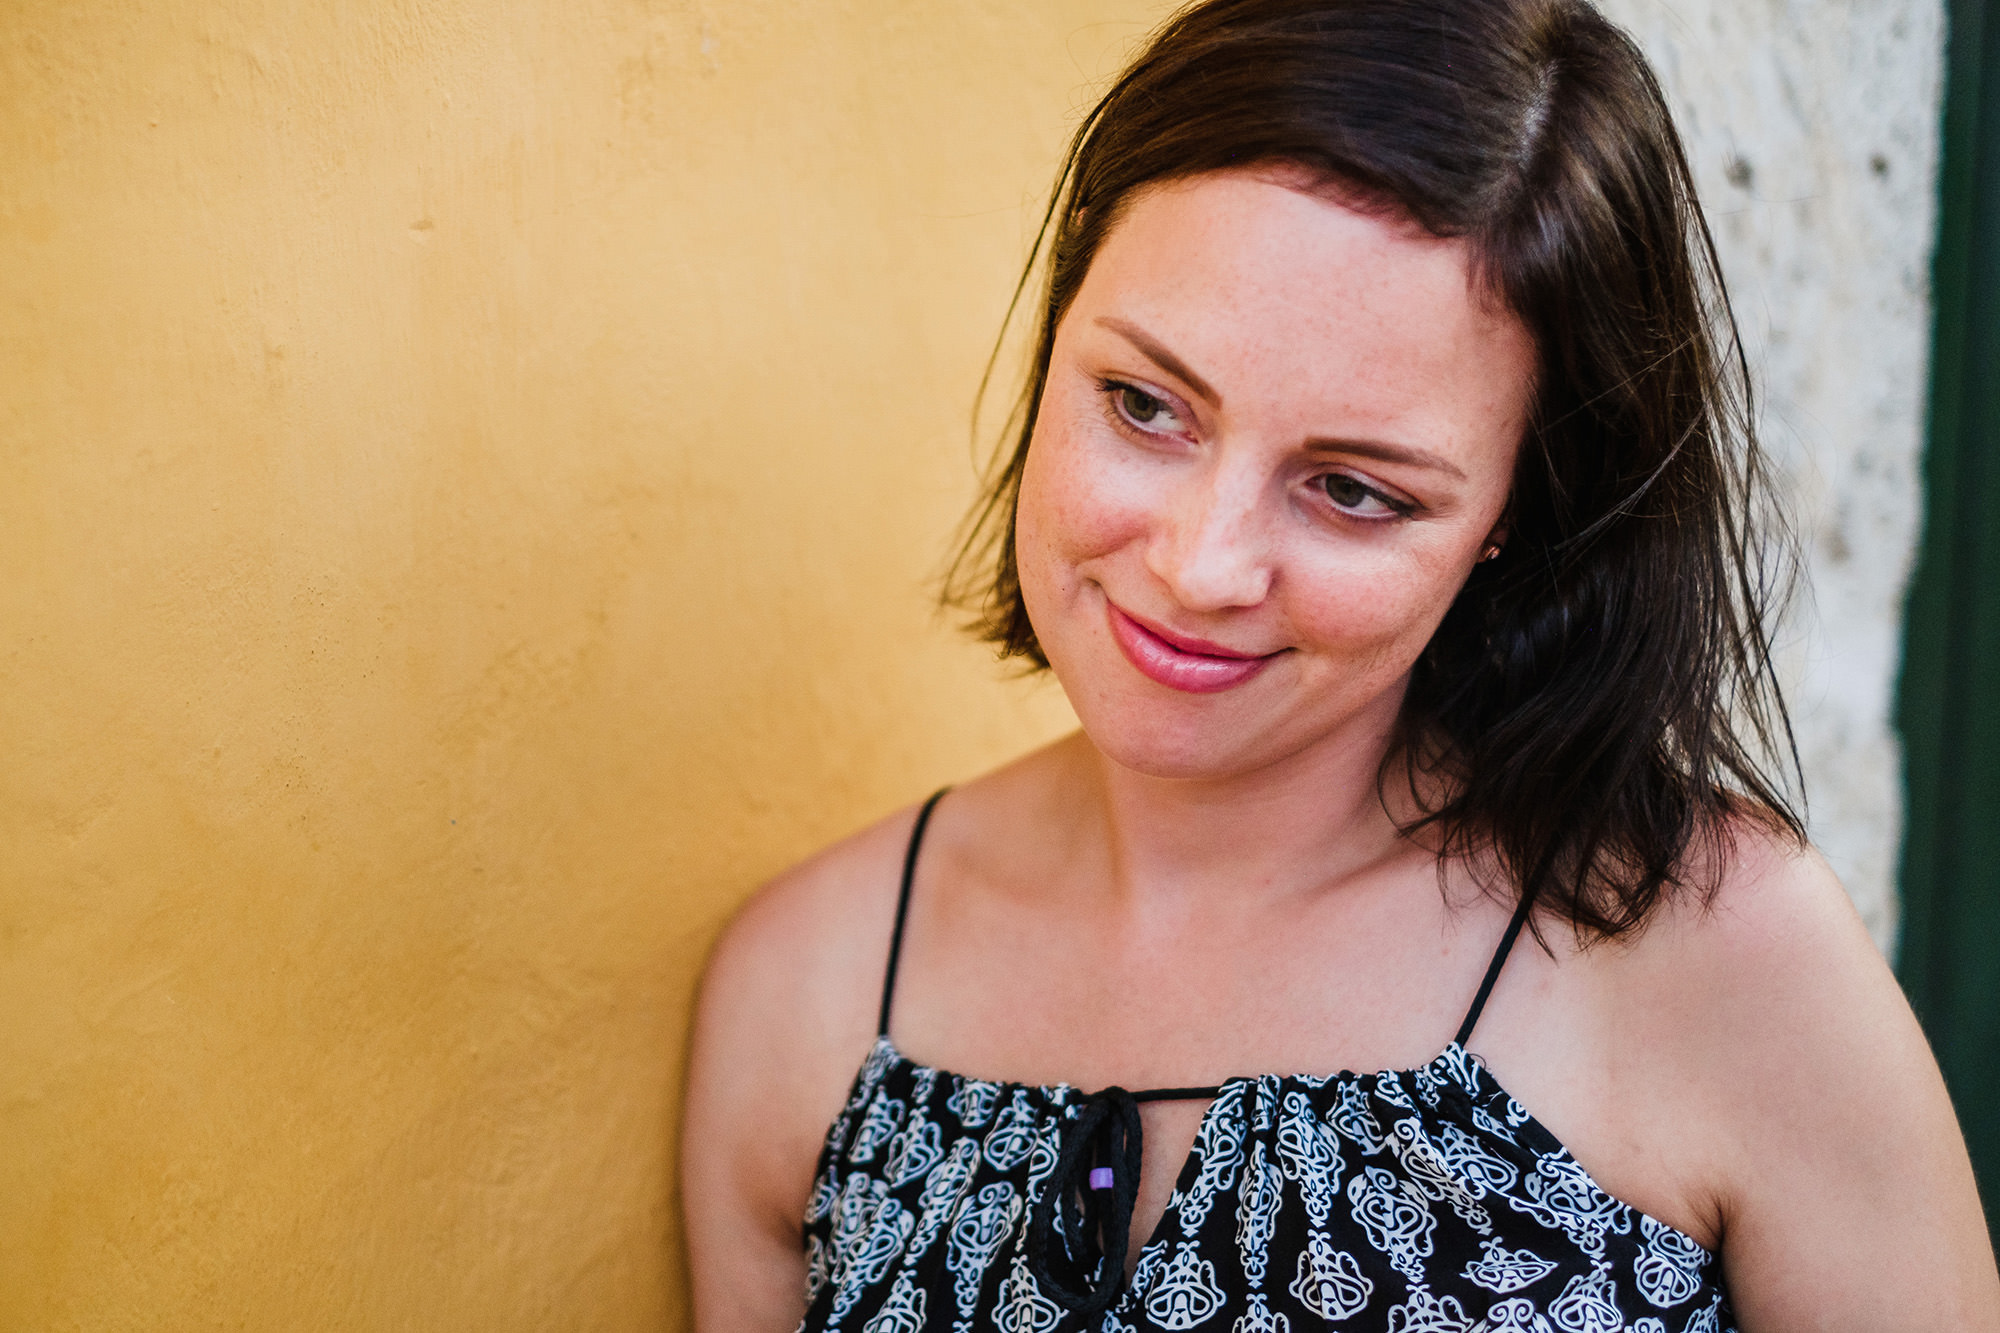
{"x":471,"y":473}
{"x":1812,"y":126}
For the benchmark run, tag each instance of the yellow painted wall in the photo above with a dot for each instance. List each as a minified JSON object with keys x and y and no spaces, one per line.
{"x":469,"y":473}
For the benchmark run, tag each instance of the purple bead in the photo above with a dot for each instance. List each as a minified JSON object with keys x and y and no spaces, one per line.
{"x":1100,"y":1178}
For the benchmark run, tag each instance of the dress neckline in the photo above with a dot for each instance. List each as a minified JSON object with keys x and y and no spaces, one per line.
{"x":1455,"y":1065}
{"x":1448,"y":1061}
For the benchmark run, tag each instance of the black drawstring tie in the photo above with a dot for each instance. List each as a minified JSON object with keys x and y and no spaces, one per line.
{"x":1091,"y":1194}
{"x":1101,"y":1146}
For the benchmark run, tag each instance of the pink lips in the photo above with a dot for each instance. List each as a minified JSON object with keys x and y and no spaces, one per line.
{"x":1178,"y":662}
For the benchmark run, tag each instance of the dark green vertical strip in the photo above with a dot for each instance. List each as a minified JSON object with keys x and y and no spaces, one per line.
{"x":1949,"y":697}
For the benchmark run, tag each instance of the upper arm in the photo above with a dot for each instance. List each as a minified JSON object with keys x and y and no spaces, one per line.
{"x":784,"y":1019}
{"x":1846,"y":1195}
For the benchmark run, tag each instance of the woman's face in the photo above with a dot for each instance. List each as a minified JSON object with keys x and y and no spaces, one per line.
{"x":1276,"y":436}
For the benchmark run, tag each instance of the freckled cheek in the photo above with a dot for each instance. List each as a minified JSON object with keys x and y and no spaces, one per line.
{"x":1379,"y":618}
{"x":1076,"y":506}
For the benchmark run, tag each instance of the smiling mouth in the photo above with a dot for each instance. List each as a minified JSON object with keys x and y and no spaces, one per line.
{"x":1192,"y":666}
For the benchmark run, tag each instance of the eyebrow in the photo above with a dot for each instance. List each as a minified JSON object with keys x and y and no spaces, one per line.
{"x":1155,"y":352}
{"x":1408,"y":455}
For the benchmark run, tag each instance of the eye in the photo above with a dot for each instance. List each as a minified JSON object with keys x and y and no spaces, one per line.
{"x":1142,"y":410}
{"x":1354,"y":496}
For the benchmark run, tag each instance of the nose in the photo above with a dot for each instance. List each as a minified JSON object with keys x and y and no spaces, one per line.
{"x":1211,"y":546}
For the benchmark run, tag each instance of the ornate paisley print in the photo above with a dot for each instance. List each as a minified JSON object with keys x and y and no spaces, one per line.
{"x":1412,"y":1201}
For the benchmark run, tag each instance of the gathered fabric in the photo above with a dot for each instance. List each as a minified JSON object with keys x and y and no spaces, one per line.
{"x":1423,"y":1200}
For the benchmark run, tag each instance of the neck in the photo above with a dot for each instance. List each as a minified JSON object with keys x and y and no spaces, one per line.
{"x":1303,"y":823}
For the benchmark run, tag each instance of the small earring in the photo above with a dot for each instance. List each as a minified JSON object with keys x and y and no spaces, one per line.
{"x":1489,"y":553}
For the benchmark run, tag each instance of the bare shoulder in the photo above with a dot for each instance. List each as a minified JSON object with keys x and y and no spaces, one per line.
{"x":784,"y":1019}
{"x":791,"y":997}
{"x":819,"y":931}
{"x":792,"y":983}
{"x":1767,"y":992}
{"x":1779,"y":926}
{"x":1772,"y":985}
{"x":1827,"y":1140}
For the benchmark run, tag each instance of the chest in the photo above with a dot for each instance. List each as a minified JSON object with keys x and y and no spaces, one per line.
{"x":1370,"y":987}
{"x":1036,"y":989}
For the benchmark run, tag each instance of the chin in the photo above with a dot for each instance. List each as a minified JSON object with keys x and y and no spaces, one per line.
{"x":1157,"y":743}
{"x":1168,"y":764}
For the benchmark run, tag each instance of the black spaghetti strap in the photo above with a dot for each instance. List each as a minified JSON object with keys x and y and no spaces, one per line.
{"x":1493,"y":971}
{"x":1177,"y":1094}
{"x":903,"y":907}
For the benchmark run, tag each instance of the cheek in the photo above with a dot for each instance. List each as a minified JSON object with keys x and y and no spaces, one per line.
{"x":1075,"y":507}
{"x":1377,"y":613}
{"x":1039,"y":561}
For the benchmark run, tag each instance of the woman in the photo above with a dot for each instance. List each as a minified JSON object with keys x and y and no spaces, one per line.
{"x":1383,"y":502}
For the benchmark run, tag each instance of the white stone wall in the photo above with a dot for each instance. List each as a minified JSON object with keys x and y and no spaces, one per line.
{"x":1813,"y":129}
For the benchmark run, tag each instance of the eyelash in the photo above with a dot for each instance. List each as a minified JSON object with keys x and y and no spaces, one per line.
{"x":1397,"y":508}
{"x":1114,"y":391}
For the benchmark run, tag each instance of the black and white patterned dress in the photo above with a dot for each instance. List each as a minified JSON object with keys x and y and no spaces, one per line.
{"x":1411,"y":1201}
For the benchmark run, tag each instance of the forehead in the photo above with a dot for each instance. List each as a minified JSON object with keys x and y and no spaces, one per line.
{"x":1300,"y":300}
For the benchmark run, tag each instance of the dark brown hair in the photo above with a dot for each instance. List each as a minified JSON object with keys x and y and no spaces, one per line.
{"x":1600,"y":700}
